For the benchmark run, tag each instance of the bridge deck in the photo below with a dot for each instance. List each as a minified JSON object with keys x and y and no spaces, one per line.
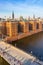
{"x":14,"y":56}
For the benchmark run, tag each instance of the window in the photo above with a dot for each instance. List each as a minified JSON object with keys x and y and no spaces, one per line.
{"x":30,"y":27}
{"x":20,"y":28}
{"x":37,"y":26}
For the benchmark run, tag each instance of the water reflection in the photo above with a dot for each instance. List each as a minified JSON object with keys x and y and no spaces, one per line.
{"x":32,"y":43}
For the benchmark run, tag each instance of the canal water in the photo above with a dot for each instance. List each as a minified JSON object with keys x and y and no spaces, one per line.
{"x":32,"y":44}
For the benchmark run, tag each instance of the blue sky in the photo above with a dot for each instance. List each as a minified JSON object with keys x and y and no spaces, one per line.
{"x":23,"y":8}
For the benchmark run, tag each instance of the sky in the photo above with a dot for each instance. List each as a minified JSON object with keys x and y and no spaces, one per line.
{"x":23,"y":8}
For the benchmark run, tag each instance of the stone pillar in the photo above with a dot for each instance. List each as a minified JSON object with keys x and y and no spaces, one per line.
{"x":12,"y":28}
{"x":3,"y":27}
{"x":26,"y":27}
{"x":40,"y":26}
{"x":34,"y":26}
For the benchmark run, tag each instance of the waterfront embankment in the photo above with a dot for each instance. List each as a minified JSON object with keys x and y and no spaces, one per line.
{"x":15,"y":56}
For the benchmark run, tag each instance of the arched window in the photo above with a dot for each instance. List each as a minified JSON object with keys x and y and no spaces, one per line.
{"x":20,"y":28}
{"x":37,"y":26}
{"x":30,"y":27}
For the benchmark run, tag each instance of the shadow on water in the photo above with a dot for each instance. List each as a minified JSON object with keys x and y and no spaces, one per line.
{"x":32,"y":43}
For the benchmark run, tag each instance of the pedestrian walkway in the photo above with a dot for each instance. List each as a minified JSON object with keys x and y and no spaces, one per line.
{"x":15,"y":56}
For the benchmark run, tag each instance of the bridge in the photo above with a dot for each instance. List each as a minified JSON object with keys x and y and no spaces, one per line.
{"x":23,"y":29}
{"x":12,"y":31}
{"x":15,"y":56}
